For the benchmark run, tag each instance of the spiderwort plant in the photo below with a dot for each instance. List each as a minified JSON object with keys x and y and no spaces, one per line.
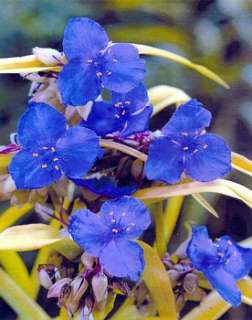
{"x":110,"y":235}
{"x":222,"y":262}
{"x":95,"y":63}
{"x":184,"y":147}
{"x":49,"y":149}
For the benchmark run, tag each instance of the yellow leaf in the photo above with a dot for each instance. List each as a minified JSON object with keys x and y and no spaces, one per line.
{"x":4,"y":162}
{"x":158,"y":215}
{"x":204,"y":203}
{"x":163,"y":96}
{"x":213,"y":306}
{"x":24,"y":64}
{"x":101,"y":315}
{"x":221,"y":186}
{"x":128,"y":312}
{"x":171,"y":214}
{"x":158,"y":283}
{"x":19,"y":301}
{"x":241,"y":163}
{"x":12,"y":214}
{"x":148,"y":50}
{"x":28,"y":237}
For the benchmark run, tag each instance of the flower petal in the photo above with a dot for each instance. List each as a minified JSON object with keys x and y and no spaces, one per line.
{"x":201,"y":250}
{"x":28,"y":173}
{"x":103,"y":120}
{"x":77,"y":151}
{"x":40,"y":125}
{"x":212,"y":161}
{"x":225,"y":284}
{"x":165,"y":161}
{"x":123,"y":259}
{"x":88,"y":231}
{"x":124,"y":69}
{"x":135,"y":99}
{"x":78,"y":83}
{"x":83,"y":38}
{"x":106,"y":186}
{"x":189,"y":117}
{"x":137,"y":123}
{"x":239,"y":259}
{"x":129,"y":214}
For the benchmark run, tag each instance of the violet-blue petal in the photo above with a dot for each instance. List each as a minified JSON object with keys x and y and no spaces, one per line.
{"x":123,"y":259}
{"x":78,"y":83}
{"x":189,"y":117}
{"x":165,"y":161}
{"x":88,"y":231}
{"x":130,"y":216}
{"x":211,"y":161}
{"x":137,"y":123}
{"x":28,"y":173}
{"x":225,"y":284}
{"x":40,"y":125}
{"x":77,"y":151}
{"x":124,"y":68}
{"x":201,"y":250}
{"x":83,"y":38}
{"x":106,"y":186}
{"x":238,"y":259}
{"x":103,"y":120}
{"x":136,"y":98}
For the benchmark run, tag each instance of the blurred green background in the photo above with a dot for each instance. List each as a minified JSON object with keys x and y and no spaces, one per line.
{"x":216,"y":33}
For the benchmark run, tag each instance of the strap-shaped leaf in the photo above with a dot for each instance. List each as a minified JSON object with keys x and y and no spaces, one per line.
{"x":163,"y":96}
{"x":204,"y":203}
{"x":222,"y":186}
{"x":152,"y":51}
{"x":19,"y":301}
{"x":241,"y":163}
{"x":158,"y":283}
{"x":12,"y":214}
{"x":213,"y":306}
{"x":28,"y":237}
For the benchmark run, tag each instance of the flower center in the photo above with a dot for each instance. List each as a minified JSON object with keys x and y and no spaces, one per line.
{"x":48,"y":157}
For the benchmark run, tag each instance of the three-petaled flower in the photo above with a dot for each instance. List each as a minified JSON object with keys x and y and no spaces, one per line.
{"x":126,"y":114}
{"x":222,"y":262}
{"x":95,"y":63}
{"x":49,"y":149}
{"x":109,"y":235}
{"x":184,"y":147}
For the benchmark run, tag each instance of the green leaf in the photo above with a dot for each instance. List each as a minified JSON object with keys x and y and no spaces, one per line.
{"x":28,"y":237}
{"x":158,"y":283}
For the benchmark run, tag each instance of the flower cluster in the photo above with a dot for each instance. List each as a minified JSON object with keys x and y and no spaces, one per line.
{"x":86,"y":127}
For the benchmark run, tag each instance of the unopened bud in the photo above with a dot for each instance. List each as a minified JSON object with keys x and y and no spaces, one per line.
{"x":174,"y":276}
{"x":78,"y":287}
{"x":7,"y":186}
{"x":48,"y":56}
{"x":190,"y":283}
{"x":100,"y":287}
{"x":56,"y":290}
{"x":87,"y":260}
{"x":45,"y":278}
{"x":137,"y":169}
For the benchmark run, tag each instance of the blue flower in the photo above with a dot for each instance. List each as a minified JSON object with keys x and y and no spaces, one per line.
{"x":184,"y":147}
{"x":110,"y":235}
{"x":222,"y":262}
{"x":106,"y":186}
{"x":49,"y":149}
{"x":95,"y":63}
{"x":126,"y":114}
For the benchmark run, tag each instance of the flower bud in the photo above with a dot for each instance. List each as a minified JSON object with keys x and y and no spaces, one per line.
{"x":190,"y":283}
{"x":56,"y":290}
{"x":78,"y":288}
{"x":87,"y":260}
{"x":100,"y":287}
{"x":48,"y":56}
{"x":45,"y":278}
{"x":174,"y":276}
